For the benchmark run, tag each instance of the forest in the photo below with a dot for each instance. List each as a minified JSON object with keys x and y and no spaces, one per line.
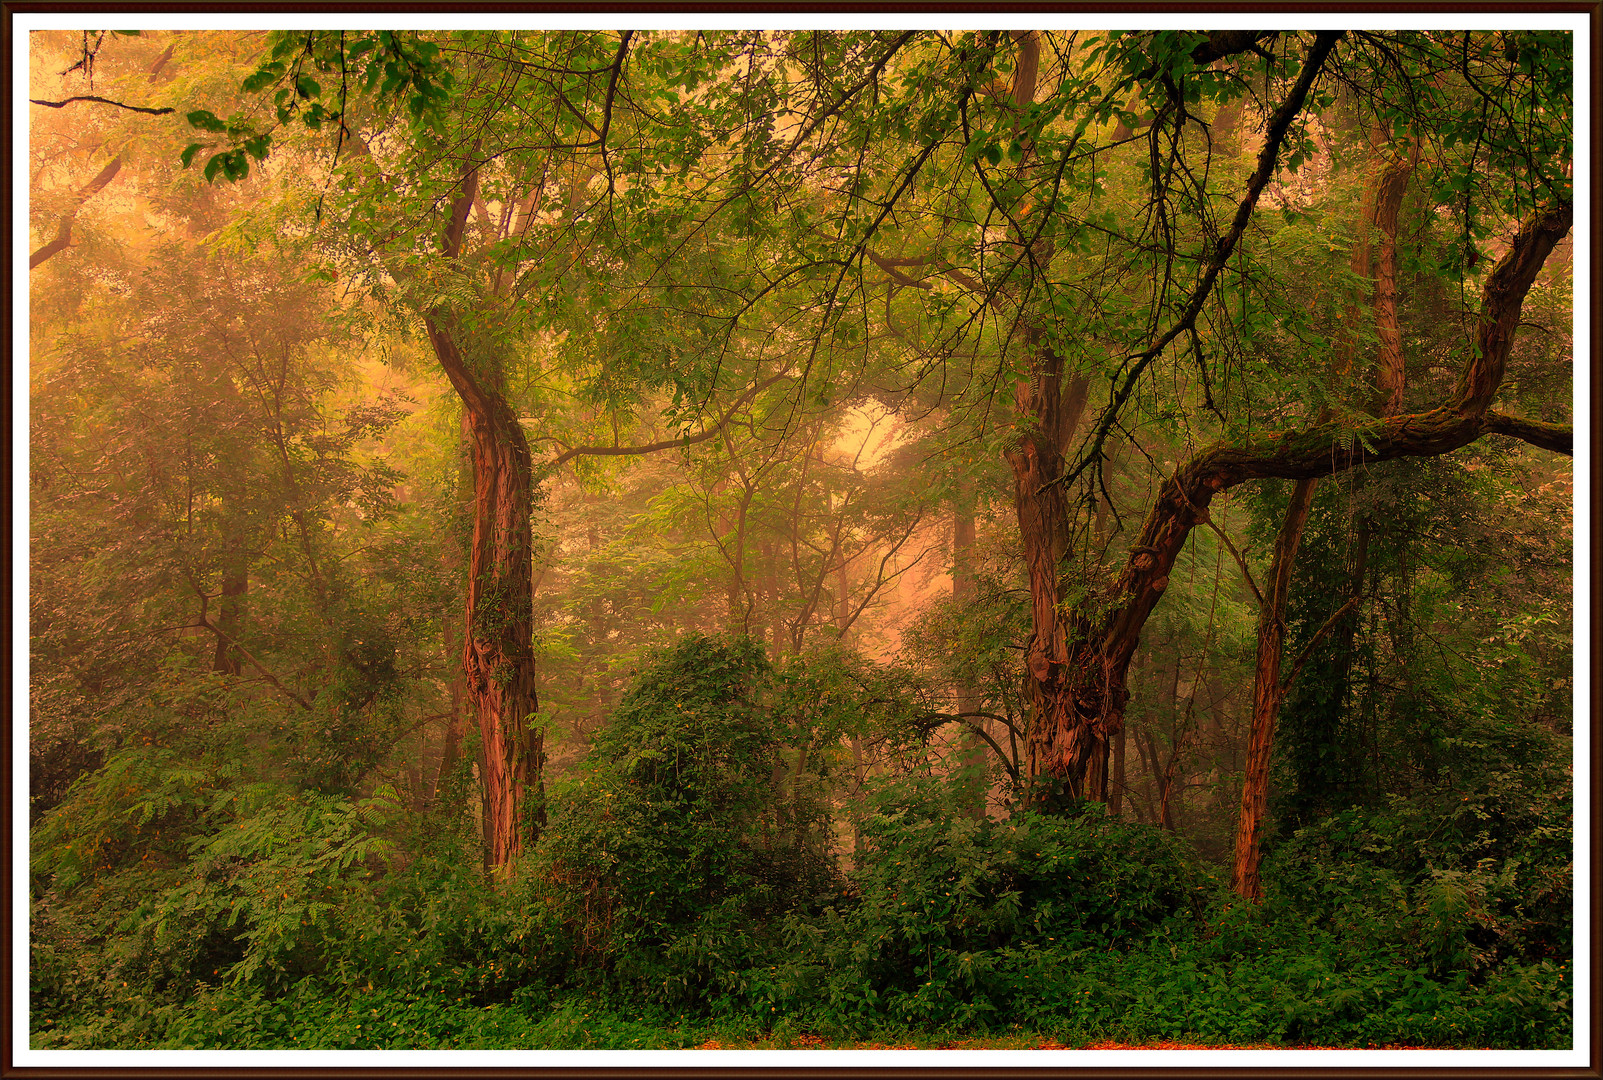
{"x":556,"y":539}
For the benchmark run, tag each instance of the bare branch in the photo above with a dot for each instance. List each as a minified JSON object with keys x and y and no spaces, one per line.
{"x":103,"y":101}
{"x":669,"y":444}
{"x":1307,"y":651}
{"x":255,"y":663}
{"x":935,"y":719}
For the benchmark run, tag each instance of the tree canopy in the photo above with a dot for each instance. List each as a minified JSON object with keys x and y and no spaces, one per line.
{"x":724,"y":484}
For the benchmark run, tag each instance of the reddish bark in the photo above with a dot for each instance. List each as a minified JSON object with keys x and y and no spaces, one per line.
{"x":1079,"y":699}
{"x":1059,"y":742}
{"x":1267,"y":691}
{"x":1102,"y":662}
{"x":498,"y":615}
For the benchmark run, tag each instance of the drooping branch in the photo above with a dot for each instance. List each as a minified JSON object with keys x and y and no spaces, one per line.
{"x":668,"y":444}
{"x":935,"y":719}
{"x":1274,"y":135}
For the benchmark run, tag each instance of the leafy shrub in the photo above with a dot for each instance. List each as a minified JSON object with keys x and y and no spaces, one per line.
{"x":154,"y":877}
{"x":1461,"y":878}
{"x":946,"y":904}
{"x":671,"y":850}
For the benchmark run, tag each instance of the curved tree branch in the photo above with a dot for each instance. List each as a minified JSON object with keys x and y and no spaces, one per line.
{"x":1330,"y":448}
{"x":63,"y":238}
{"x":102,"y":101}
{"x":936,"y":719}
{"x":668,"y":444}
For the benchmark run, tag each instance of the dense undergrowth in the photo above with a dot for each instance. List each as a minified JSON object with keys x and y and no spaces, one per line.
{"x":674,"y":899}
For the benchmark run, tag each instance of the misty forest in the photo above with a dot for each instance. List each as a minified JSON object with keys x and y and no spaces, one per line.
{"x":650,"y":539}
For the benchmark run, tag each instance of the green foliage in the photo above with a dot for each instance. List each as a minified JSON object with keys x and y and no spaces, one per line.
{"x":742,"y":247}
{"x":387,"y":65}
{"x":1460,"y":880}
{"x":942,"y":902}
{"x":162,"y":875}
{"x":671,"y":847}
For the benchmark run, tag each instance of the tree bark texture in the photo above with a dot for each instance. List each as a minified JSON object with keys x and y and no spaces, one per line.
{"x":498,"y":614}
{"x":1267,"y":691}
{"x":1078,"y":691}
{"x":1060,"y":743}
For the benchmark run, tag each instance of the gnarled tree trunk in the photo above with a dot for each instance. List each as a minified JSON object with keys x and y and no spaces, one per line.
{"x":498,"y":615}
{"x":1322,"y":450}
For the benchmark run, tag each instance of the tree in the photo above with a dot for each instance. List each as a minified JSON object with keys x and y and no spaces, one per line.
{"x":988,"y":258}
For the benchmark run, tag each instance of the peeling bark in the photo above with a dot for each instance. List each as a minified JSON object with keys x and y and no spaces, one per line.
{"x":498,"y":615}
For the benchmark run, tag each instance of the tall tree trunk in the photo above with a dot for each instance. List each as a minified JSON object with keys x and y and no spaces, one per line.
{"x":498,"y":615}
{"x":1267,"y":692}
{"x":1081,"y":696}
{"x":1381,"y":207}
{"x":775,"y":621}
{"x":231,"y":606}
{"x":1060,"y":744}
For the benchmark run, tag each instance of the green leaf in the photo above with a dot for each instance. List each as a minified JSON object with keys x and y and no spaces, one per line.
{"x":307,"y":87}
{"x":189,"y":154}
{"x":205,"y":120}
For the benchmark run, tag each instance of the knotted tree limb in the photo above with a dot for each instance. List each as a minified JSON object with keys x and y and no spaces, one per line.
{"x":1330,"y":448}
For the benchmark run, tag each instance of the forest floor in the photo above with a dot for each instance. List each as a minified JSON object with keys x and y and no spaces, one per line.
{"x":1006,"y":1042}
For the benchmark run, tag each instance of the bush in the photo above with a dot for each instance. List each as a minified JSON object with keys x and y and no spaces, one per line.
{"x":672,"y":852}
{"x":1458,"y":879}
{"x":946,"y":906}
